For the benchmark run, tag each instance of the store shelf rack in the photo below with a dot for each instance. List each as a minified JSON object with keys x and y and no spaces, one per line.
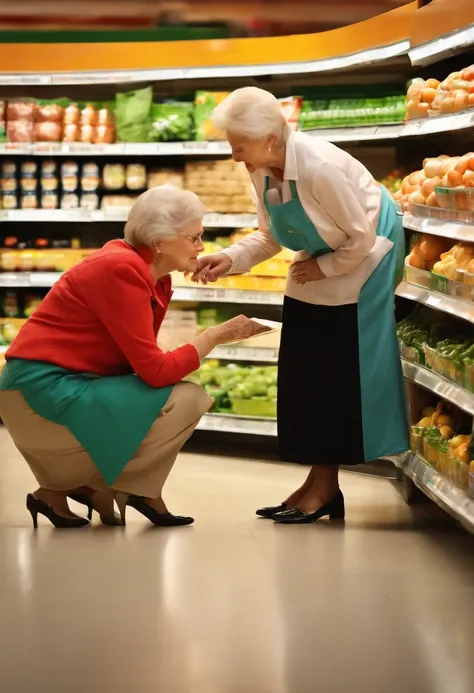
{"x":228,"y":423}
{"x":440,"y":386}
{"x":439,"y":489}
{"x":437,"y":227}
{"x":434,"y":299}
{"x":243,"y":353}
{"x":211,"y":220}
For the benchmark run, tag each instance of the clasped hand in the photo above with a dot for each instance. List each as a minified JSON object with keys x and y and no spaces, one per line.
{"x":307,"y":271}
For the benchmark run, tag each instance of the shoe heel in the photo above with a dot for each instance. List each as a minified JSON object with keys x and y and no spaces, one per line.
{"x":121,"y":499}
{"x":34,"y":517}
{"x":338,"y":511}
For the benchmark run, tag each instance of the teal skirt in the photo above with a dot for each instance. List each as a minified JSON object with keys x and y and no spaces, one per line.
{"x":108,"y":415}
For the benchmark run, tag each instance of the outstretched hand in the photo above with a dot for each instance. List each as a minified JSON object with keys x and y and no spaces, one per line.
{"x":307,"y":271}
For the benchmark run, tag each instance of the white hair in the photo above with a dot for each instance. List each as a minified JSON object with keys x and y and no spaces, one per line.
{"x":252,"y":113}
{"x":161,"y":211}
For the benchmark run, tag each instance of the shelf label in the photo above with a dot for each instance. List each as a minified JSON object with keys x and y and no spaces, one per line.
{"x":11,"y":279}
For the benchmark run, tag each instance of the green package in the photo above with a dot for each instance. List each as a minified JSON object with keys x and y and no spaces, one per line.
{"x":172,"y":122}
{"x":133,"y":115}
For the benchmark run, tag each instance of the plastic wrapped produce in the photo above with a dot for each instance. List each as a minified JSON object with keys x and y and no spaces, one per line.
{"x":204,"y":104}
{"x":69,"y":176}
{"x":133,"y":115}
{"x":90,"y":177}
{"x":20,"y":121}
{"x":172,"y":122}
{"x":48,"y":131}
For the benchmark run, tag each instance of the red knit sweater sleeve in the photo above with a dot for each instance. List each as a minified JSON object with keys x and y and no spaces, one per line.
{"x":121,"y":300}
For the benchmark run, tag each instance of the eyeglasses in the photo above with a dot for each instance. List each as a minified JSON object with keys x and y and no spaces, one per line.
{"x":195,"y":240}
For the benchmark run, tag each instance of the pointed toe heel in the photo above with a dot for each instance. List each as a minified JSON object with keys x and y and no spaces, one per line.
{"x":38,"y":507}
{"x":269,"y":511}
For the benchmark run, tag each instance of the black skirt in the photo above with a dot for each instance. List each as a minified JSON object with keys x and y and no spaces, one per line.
{"x":319,"y":393}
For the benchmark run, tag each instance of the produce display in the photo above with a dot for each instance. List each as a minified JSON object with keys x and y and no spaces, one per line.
{"x":443,"y":346}
{"x":433,"y":98}
{"x":240,"y":390}
{"x":352,"y":112}
{"x":442,"y":437}
{"x":444,"y":181}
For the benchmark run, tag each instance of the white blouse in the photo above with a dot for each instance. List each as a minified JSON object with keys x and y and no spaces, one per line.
{"x":340,"y":197}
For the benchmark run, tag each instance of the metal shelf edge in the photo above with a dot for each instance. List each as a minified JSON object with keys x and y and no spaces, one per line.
{"x":453,"y":393}
{"x":433,"y":299}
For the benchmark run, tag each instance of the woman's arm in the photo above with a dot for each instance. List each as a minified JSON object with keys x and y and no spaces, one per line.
{"x":256,"y":247}
{"x":339,"y":201}
{"x":121,"y":301}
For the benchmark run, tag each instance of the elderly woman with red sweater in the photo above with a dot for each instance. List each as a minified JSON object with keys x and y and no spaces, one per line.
{"x":95,"y":407}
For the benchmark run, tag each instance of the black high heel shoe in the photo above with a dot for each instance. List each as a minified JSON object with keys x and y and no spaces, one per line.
{"x":269,"y":511}
{"x":335,"y":509}
{"x":158,"y":519}
{"x":113,"y":520}
{"x":37,"y":506}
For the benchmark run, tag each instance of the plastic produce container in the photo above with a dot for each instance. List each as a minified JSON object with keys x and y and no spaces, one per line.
{"x":430,"y":453}
{"x":254,"y":407}
{"x":458,"y":199}
{"x":431,"y":357}
{"x":416,"y":440}
{"x":417,"y":276}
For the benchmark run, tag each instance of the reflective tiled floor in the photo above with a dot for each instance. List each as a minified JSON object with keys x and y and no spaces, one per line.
{"x":235,"y":604}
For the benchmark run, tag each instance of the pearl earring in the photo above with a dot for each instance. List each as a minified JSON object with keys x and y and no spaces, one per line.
{"x":269,"y":149}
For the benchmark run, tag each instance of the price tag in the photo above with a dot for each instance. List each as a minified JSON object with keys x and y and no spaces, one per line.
{"x":196,"y":145}
{"x":411,"y":129}
{"x":46,"y":148}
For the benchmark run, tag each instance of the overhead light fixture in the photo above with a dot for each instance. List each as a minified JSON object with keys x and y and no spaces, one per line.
{"x":442,"y":47}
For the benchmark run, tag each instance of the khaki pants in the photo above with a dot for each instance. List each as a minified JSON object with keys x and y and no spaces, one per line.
{"x":60,"y":463}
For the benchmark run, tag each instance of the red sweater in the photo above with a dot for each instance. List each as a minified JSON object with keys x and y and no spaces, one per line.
{"x":103,"y":317}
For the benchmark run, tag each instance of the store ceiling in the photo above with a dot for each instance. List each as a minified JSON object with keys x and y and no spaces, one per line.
{"x":308,"y":14}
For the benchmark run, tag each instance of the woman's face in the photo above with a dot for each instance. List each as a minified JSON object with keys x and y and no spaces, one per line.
{"x":253,"y":153}
{"x":180,"y":252}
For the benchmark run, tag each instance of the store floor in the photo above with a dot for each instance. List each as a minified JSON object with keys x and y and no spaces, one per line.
{"x":235,"y":604}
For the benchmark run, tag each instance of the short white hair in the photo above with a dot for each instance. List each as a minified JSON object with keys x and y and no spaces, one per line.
{"x":161,"y":211}
{"x":252,"y":113}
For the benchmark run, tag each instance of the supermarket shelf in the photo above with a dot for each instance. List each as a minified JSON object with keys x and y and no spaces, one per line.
{"x":211,"y":220}
{"x":446,"y":389}
{"x":442,"y":47}
{"x":217,"y":295}
{"x":356,"y":59}
{"x":437,"y":227}
{"x":440,"y":489}
{"x":433,"y":299}
{"x":228,"y":423}
{"x":425,"y":126}
{"x":241,"y":353}
{"x":12,"y":280}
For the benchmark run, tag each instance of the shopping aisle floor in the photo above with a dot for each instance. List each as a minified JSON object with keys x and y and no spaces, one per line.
{"x":235,"y":604}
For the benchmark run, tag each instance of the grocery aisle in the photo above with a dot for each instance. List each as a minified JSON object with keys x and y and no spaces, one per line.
{"x":235,"y":603}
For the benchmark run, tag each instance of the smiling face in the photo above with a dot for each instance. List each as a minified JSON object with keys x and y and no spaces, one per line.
{"x":180,"y":252}
{"x":253,"y":153}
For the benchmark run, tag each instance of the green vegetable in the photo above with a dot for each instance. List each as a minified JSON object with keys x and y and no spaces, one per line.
{"x":132,"y":113}
{"x":172,"y":122}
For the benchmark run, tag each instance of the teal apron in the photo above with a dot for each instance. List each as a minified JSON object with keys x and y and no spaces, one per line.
{"x":109,"y":416}
{"x":341,"y":393}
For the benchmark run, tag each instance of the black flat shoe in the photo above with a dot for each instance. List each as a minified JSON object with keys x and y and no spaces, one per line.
{"x":37,"y":506}
{"x":158,"y":519}
{"x":270,"y":510}
{"x":113,"y":520}
{"x":293,"y":516}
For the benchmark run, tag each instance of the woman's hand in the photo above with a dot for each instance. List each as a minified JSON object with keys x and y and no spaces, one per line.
{"x":211,"y":267}
{"x":307,"y":271}
{"x":237,"y":329}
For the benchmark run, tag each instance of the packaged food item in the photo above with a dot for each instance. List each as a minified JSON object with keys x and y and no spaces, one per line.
{"x":32,"y":301}
{"x":89,"y":201}
{"x":136,"y":177}
{"x":204,"y":103}
{"x":172,"y":122}
{"x":10,"y":305}
{"x":90,"y":177}
{"x":8,"y":184}
{"x":105,"y":128}
{"x":3,"y":132}
{"x":71,"y":122}
{"x":49,"y":176}
{"x":69,"y":176}
{"x":49,"y":112}
{"x":89,"y":115}
{"x":70,"y":201}
{"x":27,"y":261}
{"x":28,"y":200}
{"x":20,"y":121}
{"x":9,"y":169}
{"x":291,"y":108}
{"x":48,"y":131}
{"x":29,"y":184}
{"x":117,"y":201}
{"x":9,"y":260}
{"x":49,"y":199}
{"x":114,"y":176}
{"x":28,"y":176}
{"x":165,"y":177}
{"x":133,"y":115}
{"x":9,"y":200}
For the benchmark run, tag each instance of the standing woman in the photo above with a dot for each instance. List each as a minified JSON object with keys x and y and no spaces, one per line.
{"x":341,"y":396}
